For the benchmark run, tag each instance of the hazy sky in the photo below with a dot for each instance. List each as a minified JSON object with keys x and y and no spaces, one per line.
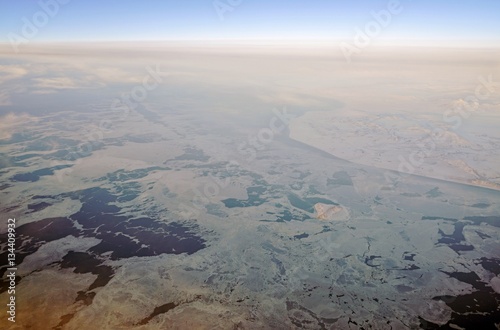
{"x":248,"y":19}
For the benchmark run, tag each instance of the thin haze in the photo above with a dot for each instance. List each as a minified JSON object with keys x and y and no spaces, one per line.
{"x":426,"y":20}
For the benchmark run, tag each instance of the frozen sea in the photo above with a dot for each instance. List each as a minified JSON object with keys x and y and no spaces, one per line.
{"x":175,"y":187}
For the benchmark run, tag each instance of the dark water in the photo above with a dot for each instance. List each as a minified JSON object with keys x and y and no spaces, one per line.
{"x":158,"y":310}
{"x":35,"y":175}
{"x":118,"y":233}
{"x":35,"y":207}
{"x":479,"y":309}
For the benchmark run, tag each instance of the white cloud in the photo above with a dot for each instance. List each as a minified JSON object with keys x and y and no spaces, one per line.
{"x":293,"y":99}
{"x":9,"y":72}
{"x":50,"y":85}
{"x":44,"y":91}
{"x":4,"y":98}
{"x":10,"y":122}
{"x":113,"y":74}
{"x":56,"y":83}
{"x":6,"y":93}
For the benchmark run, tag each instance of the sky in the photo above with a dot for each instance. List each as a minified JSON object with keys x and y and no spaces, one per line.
{"x":123,"y":20}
